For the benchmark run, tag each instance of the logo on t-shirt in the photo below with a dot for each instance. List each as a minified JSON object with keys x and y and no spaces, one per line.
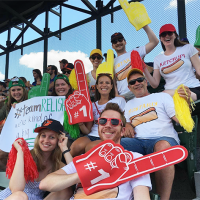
{"x":147,"y":115}
{"x":122,"y":74}
{"x":172,"y":67}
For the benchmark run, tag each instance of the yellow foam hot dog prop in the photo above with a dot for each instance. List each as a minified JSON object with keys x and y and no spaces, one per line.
{"x":72,"y":80}
{"x":108,"y":66}
{"x":136,"y":13}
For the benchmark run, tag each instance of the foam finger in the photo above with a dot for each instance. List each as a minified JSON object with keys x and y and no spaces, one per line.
{"x":125,"y":5}
{"x":45,"y":81}
{"x":105,"y":149}
{"x":110,"y":58}
{"x":81,"y":78}
{"x":112,"y":154}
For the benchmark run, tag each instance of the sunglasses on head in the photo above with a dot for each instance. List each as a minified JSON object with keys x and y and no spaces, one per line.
{"x":170,"y":33}
{"x":117,"y":40}
{"x":140,"y":80}
{"x":15,"y":79}
{"x":114,"y":121}
{"x":94,"y":57}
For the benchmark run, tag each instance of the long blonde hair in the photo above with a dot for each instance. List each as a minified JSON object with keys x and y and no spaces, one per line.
{"x":55,"y":157}
{"x":11,"y":100}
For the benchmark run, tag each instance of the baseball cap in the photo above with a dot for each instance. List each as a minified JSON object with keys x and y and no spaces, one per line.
{"x":96,"y":51}
{"x":15,"y":81}
{"x":61,"y":76}
{"x":132,"y":71}
{"x":116,"y":36}
{"x":167,"y":27}
{"x":68,"y":66}
{"x":51,"y":124}
{"x":185,"y":40}
{"x":64,"y":61}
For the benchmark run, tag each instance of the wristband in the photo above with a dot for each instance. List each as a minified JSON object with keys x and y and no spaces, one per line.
{"x":66,"y":151}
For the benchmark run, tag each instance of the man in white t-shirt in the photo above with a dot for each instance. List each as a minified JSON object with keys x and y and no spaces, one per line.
{"x":122,"y":63}
{"x":151,"y":117}
{"x":67,"y":176}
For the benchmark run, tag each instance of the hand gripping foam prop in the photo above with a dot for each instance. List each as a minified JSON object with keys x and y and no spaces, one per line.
{"x":108,"y":165}
{"x":40,"y":90}
{"x":78,"y":105}
{"x":136,"y":13}
{"x":30,"y":168}
{"x":108,"y":66}
{"x":197,"y":41}
{"x":183,"y":111}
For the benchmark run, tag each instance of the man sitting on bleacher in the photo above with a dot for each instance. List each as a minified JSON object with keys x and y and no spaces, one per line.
{"x":112,"y":128}
{"x":149,"y":128}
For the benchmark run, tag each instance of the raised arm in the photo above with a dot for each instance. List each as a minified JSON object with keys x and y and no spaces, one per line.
{"x":153,"y":80}
{"x":62,"y":143}
{"x":196,"y":63}
{"x":17,"y":181}
{"x":153,"y":40}
{"x":58,"y":181}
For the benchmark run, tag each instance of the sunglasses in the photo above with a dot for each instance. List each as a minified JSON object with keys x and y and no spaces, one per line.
{"x":117,"y":40}
{"x":114,"y":122}
{"x":166,"y":33}
{"x":94,"y":57}
{"x":68,"y":72}
{"x":140,"y":80}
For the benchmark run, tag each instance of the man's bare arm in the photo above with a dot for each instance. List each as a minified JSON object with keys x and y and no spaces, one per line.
{"x":58,"y":181}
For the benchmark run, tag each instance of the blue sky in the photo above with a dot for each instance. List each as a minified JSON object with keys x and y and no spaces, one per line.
{"x":77,"y":43}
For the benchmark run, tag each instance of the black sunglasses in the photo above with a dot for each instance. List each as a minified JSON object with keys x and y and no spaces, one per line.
{"x":68,"y":72}
{"x":113,"y":121}
{"x":117,"y":40}
{"x":94,"y":57}
{"x":166,"y":33}
{"x":140,"y":80}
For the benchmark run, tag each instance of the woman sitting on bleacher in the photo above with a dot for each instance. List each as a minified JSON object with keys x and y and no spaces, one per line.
{"x":104,"y":93}
{"x":17,"y":94}
{"x":62,"y":87}
{"x":49,"y":145}
{"x":176,"y":65}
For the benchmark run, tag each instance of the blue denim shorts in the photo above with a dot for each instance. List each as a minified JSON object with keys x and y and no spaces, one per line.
{"x":144,"y":146}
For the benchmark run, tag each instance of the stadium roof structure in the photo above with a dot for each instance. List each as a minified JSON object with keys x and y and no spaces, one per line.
{"x":21,"y":15}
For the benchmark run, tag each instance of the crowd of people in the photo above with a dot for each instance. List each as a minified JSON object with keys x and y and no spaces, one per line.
{"x":123,"y":110}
